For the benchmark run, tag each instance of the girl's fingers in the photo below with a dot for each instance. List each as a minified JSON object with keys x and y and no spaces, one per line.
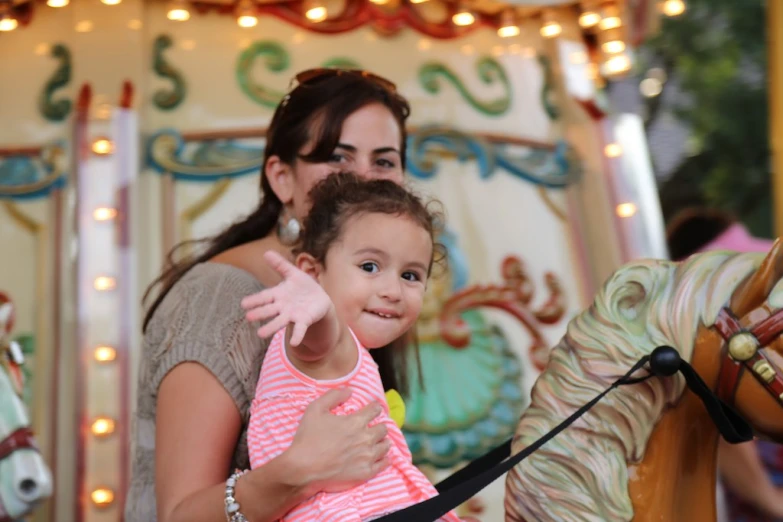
{"x":297,"y":336}
{"x":259,"y":299}
{"x":270,"y":328}
{"x":281,"y":265}
{"x":263,"y":312}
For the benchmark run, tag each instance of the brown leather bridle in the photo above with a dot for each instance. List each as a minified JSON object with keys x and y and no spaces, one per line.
{"x":743,"y":349}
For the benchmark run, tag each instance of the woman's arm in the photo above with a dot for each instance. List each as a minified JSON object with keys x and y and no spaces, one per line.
{"x":198,"y":426}
{"x":743,"y":473}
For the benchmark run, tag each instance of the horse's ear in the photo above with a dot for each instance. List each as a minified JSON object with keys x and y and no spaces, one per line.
{"x":6,"y":309}
{"x":757,"y":287}
{"x":625,"y":294}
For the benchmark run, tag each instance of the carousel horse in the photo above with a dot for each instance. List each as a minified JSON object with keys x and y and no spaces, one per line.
{"x":25,"y":480}
{"x":647,"y":452}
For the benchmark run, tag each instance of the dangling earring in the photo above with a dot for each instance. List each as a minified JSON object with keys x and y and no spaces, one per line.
{"x":288,"y":228}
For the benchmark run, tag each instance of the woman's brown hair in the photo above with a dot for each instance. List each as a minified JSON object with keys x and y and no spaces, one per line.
{"x":315,"y":110}
{"x":340,"y":197}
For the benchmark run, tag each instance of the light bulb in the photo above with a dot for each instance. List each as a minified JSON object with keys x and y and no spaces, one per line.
{"x":626,"y":210}
{"x":102,"y":497}
{"x":104,"y":354}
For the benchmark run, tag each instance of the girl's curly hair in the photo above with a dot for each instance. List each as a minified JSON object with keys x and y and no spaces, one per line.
{"x":344,"y":195}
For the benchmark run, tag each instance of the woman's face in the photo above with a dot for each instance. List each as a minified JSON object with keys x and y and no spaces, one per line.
{"x":369,"y":146}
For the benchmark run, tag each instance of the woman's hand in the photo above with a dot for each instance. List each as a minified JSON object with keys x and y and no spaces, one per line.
{"x":297,"y":300}
{"x":339,"y":451}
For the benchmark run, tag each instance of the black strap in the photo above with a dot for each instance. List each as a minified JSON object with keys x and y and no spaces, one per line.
{"x":466,"y":483}
{"x":481,"y":464}
{"x":733,"y":428}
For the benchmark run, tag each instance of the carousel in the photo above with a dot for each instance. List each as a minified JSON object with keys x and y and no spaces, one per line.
{"x":130,"y":126}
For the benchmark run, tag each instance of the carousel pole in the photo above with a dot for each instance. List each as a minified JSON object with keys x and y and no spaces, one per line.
{"x":775,"y":72}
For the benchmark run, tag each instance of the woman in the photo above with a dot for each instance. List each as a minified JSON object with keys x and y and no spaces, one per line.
{"x":751,"y":473}
{"x":201,"y":357}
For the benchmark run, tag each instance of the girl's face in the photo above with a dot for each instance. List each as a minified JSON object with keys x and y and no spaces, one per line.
{"x":376,"y":274}
{"x":369,"y":146}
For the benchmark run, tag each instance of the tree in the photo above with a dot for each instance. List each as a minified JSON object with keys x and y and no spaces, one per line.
{"x":716,"y":52}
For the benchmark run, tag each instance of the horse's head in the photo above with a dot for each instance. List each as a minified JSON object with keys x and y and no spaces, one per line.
{"x":25,"y":479}
{"x":747,"y":334}
{"x":584,"y":472}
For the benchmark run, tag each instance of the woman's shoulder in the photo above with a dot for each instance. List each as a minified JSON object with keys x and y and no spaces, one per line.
{"x":205,"y":304}
{"x":224,"y":276}
{"x":210,"y":287}
{"x":201,"y":320}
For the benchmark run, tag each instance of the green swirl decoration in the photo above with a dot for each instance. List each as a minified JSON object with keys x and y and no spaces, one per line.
{"x":548,"y":89}
{"x":50,"y":109}
{"x":276,"y":60}
{"x":489,"y":70}
{"x":167,"y":99}
{"x":342,"y":63}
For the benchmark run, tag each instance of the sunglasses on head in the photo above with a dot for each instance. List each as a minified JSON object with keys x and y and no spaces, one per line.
{"x":322,"y":73}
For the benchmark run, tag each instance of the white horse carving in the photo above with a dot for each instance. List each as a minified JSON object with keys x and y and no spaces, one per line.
{"x":25,"y":479}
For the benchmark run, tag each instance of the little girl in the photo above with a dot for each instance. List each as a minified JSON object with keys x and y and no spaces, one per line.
{"x":357,"y":284}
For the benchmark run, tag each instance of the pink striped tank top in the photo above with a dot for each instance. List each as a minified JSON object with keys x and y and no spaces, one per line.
{"x":283,"y":393}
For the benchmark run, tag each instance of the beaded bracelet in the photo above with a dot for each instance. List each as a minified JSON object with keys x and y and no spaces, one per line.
{"x":232,"y":506}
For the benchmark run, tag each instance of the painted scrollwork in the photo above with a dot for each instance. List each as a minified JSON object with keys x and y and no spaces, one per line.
{"x":167,"y":99}
{"x":489,"y":71}
{"x":57,"y":110}
{"x":473,"y":375}
{"x":547,"y":167}
{"x":26,"y":177}
{"x":387,"y":20}
{"x":555,"y":168}
{"x":276,"y":59}
{"x":514,"y":296}
{"x":548,"y":89}
{"x":210,"y":161}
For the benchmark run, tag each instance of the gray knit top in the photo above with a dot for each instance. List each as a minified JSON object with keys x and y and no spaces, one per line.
{"x":201,"y":321}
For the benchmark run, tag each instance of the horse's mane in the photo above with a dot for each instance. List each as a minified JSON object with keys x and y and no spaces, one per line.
{"x":582,"y":474}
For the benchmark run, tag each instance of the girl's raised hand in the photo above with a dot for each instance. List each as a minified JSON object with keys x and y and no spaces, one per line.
{"x":297,"y":300}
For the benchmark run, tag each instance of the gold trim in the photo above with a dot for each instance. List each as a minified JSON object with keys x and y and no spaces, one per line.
{"x":42,"y":346}
{"x":23,"y":220}
{"x":199,"y":208}
{"x":168,"y":202}
{"x":764,"y":370}
{"x":559,"y":213}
